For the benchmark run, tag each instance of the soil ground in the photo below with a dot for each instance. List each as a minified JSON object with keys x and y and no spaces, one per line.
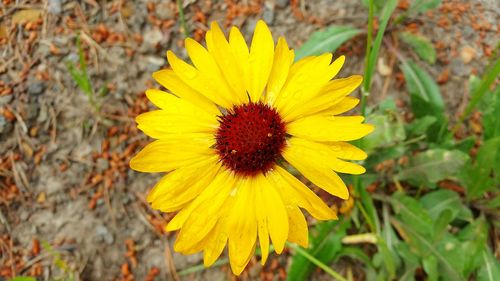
{"x":64,"y":175}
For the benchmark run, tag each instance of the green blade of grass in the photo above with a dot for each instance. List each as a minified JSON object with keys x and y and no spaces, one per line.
{"x":373,"y":49}
{"x":182,"y":18}
{"x":492,"y":72}
{"x":327,"y":40}
{"x":80,"y":79}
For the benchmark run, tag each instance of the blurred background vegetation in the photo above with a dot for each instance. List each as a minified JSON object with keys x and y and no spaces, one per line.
{"x":73,"y":75}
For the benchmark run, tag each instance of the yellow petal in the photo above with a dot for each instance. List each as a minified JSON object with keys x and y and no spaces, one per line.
{"x":305,"y":82}
{"x":243,"y":226}
{"x":181,"y":186}
{"x":301,"y":195}
{"x":221,"y":182}
{"x":171,"y":103}
{"x":230,"y":67}
{"x":219,"y":238}
{"x":261,"y":216}
{"x":261,"y":60}
{"x":342,"y":106}
{"x":165,"y":156}
{"x":241,"y":55}
{"x":329,"y":128}
{"x":238,"y":44}
{"x":344,"y":150}
{"x":177,"y":117}
{"x":277,"y":218}
{"x":168,"y":79}
{"x":318,"y":173}
{"x":283,"y":59}
{"x":216,"y":243}
{"x":205,"y":78}
{"x":329,"y":96}
{"x":159,"y":124}
{"x":205,"y":215}
{"x":297,"y":232}
{"x":323,"y":153}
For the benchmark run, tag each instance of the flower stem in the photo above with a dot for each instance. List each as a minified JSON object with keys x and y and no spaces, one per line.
{"x":317,"y":262}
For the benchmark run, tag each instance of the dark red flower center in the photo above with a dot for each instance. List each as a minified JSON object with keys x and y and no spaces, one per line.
{"x":250,"y":138}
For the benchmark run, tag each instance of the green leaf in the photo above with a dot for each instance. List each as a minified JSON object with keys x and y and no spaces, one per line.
{"x":424,"y":5}
{"x":412,"y":213}
{"x":431,"y":268}
{"x":420,"y":125}
{"x":453,"y":259}
{"x":433,"y":165}
{"x":489,"y":105}
{"x":389,"y":130}
{"x":386,"y":245}
{"x":491,"y":122}
{"x":479,"y":177}
{"x":371,"y":61}
{"x":474,"y":239}
{"x":326,"y":41}
{"x":355,"y":253}
{"x":466,"y":144}
{"x":410,"y":260}
{"x":425,"y":247}
{"x":325,"y":243}
{"x":480,"y":89}
{"x":491,"y":268}
{"x":378,"y":4}
{"x":494,"y":203}
{"x":437,"y":202}
{"x":421,"y":45}
{"x":425,"y":98}
{"x":422,"y":86}
{"x":441,"y":224}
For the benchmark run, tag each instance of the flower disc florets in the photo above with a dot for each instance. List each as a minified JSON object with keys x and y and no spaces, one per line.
{"x":250,"y":138}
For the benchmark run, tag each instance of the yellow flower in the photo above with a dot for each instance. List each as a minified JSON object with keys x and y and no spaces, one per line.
{"x":224,"y":132}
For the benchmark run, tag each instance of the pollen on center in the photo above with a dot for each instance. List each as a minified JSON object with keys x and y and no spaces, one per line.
{"x":250,"y":138}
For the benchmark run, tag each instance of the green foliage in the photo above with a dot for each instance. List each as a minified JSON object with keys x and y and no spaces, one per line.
{"x":327,"y":40}
{"x":426,"y":230}
{"x":488,"y":102}
{"x":433,"y":165}
{"x":426,"y":99}
{"x":390,"y":131}
{"x":424,"y":5}
{"x":22,"y":278}
{"x":82,"y":80}
{"x":58,"y":261}
{"x":373,"y":49}
{"x":325,"y":245}
{"x":419,"y":227}
{"x":421,"y":45}
{"x":483,"y":174}
{"x":479,"y":89}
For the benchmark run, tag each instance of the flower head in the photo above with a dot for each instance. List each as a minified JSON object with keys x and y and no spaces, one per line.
{"x":225,"y":131}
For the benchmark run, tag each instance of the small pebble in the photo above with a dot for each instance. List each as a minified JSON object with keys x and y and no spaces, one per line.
{"x":36,"y":87}
{"x":467,"y":54}
{"x":102,"y":165}
{"x":54,"y":7}
{"x":5,"y":99}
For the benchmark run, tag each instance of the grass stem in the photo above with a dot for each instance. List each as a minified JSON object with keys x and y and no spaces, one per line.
{"x":317,"y":262}
{"x":369,"y":38}
{"x":489,"y":77}
{"x":182,"y":18}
